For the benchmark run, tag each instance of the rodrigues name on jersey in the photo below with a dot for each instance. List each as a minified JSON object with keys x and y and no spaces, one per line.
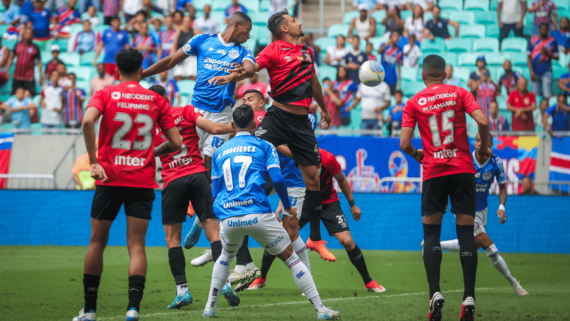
{"x":484,"y":177}
{"x":215,"y":57}
{"x":242,"y":164}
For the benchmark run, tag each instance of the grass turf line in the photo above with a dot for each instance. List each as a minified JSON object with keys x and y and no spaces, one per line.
{"x":45,"y":283}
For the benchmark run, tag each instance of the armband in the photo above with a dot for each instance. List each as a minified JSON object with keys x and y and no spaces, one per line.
{"x":351,"y":203}
{"x":502,"y":207}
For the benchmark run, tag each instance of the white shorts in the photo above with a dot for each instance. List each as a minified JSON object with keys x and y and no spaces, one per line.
{"x":186,"y":68}
{"x":264,"y":228}
{"x":480,"y":222}
{"x":297,"y":199}
{"x":209,"y":143}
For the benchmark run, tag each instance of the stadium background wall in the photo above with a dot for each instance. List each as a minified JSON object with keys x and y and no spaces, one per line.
{"x":535,"y":224}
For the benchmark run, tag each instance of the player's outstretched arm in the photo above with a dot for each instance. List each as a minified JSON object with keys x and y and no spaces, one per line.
{"x":165,"y":63}
{"x":318,"y":95}
{"x":502,"y":200}
{"x":239,"y":72}
{"x":89,"y":120}
{"x":406,"y":146}
{"x":285,"y":150}
{"x":281,"y":189}
{"x":171,"y":145}
{"x":213,"y":128}
{"x":347,"y":191}
{"x":484,"y":131}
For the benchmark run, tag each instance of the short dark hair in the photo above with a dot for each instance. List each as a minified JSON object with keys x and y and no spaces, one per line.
{"x":239,"y":17}
{"x":398,"y":92}
{"x":433,"y":63}
{"x":51,"y":72}
{"x":72,"y":73}
{"x":243,"y":116}
{"x":540,"y":26}
{"x":129,"y":61}
{"x":143,"y":13}
{"x":177,"y":12}
{"x":254,"y":91}
{"x":326,"y":78}
{"x":276,"y":20}
{"x":158,"y":89}
{"x":114,"y":18}
{"x":356,"y":36}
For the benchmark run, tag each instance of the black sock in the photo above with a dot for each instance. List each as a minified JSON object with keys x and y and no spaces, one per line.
{"x":313,"y":199}
{"x":243,"y":256}
{"x":266,"y":262}
{"x":136,"y":289}
{"x":468,"y":257}
{"x":90,"y":289}
{"x":432,"y":256}
{"x":216,"y":247}
{"x":177,"y":264}
{"x":357,"y":259}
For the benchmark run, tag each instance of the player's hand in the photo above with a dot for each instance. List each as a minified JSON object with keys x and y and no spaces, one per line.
{"x":356,"y":213}
{"x":97,"y":172}
{"x":502,"y":216}
{"x":278,"y":211}
{"x":238,"y":69}
{"x":325,"y":120}
{"x":485,"y":153}
{"x":220,"y":80}
{"x":291,"y":211}
{"x":420,"y":156}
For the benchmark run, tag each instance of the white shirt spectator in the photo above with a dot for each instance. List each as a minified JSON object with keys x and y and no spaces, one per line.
{"x":53,"y":99}
{"x":415,"y":26}
{"x":512,"y":11}
{"x":335,"y":53}
{"x":423,"y":3}
{"x":412,"y":56}
{"x":167,"y":6}
{"x":94,"y":21}
{"x":390,"y":4}
{"x":277,"y":5}
{"x":370,"y":4}
{"x":372,"y":98}
{"x":132,"y":6}
{"x":209,"y":25}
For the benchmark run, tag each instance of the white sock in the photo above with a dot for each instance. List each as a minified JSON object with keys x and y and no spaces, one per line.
{"x":239,"y":268}
{"x":452,"y":245}
{"x":249,"y":266}
{"x":219,"y":278}
{"x":197,"y":221}
{"x":301,"y":249}
{"x":181,"y":289}
{"x":304,"y":280}
{"x":499,"y":263}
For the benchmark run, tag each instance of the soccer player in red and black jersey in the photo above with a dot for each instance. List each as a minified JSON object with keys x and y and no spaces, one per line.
{"x":185,"y":180}
{"x":124,"y":169}
{"x":439,"y":111}
{"x":293,"y":85}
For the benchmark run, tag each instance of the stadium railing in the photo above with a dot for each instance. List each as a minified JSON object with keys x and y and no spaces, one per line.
{"x":29,"y":181}
{"x":470,"y":133}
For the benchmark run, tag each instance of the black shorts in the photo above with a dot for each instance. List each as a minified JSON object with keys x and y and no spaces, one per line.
{"x":280,"y":127}
{"x":29,"y":85}
{"x":108,"y":201}
{"x":194,"y":188}
{"x":459,"y":187}
{"x":332,"y":217}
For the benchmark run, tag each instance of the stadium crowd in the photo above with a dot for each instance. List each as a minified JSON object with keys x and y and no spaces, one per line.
{"x":513,"y":56}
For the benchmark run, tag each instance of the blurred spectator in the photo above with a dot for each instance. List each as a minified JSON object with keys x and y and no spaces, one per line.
{"x":426,"y":5}
{"x":52,"y":64}
{"x":481,"y":64}
{"x":522,"y":102}
{"x":393,"y":22}
{"x":354,"y":59}
{"x":486,"y":91}
{"x":335,"y":55}
{"x":110,"y":11}
{"x":27,"y":55}
{"x":415,"y":24}
{"x":171,"y":88}
{"x":27,"y":8}
{"x":73,"y":98}
{"x":86,"y":5}
{"x":562,"y":35}
{"x":12,"y":14}
{"x":528,"y":186}
{"x":4,"y":57}
{"x":167,"y":37}
{"x":510,"y":78}
{"x":564,"y":82}
{"x":388,"y":5}
{"x":449,"y":79}
{"x":206,"y":24}
{"x":93,"y":18}
{"x":309,"y":41}
{"x":186,"y":5}
{"x":512,"y":19}
{"x":333,"y":102}
{"x":560,"y":113}
{"x":63,"y":77}
{"x":233,"y":8}
{"x":541,"y":50}
{"x":20,"y":107}
{"x":147,"y":45}
{"x":188,"y":67}
{"x":82,"y":167}
{"x":395,"y":118}
{"x":131,"y":8}
{"x":364,"y":25}
{"x":391,"y":57}
{"x":276,"y":5}
{"x":39,"y":20}
{"x":253,"y":84}
{"x":497,"y":122}
{"x":177,"y":17}
{"x":86,"y":40}
{"x":370,"y":4}
{"x":165,"y":7}
{"x":133,"y":27}
{"x":53,"y":5}
{"x":113,"y":39}
{"x":52,"y":102}
{"x":544,"y":11}
{"x":369,"y":54}
{"x":65,"y":17}
{"x":412,"y":53}
{"x":437,"y":27}
{"x":346,"y":92}
{"x":102,"y":80}
{"x":538,"y":113}
{"x":373,"y":102}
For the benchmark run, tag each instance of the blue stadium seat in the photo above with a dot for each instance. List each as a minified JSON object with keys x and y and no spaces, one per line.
{"x":486,"y":45}
{"x":409,"y":74}
{"x":493,"y":31}
{"x":459,"y":45}
{"x":496,"y":59}
{"x":325,"y":43}
{"x":429,"y":16}
{"x":463,"y":17}
{"x":450,"y":58}
{"x":70,"y":58}
{"x":87,"y":58}
{"x":518,"y":59}
{"x":472,"y":31}
{"x":502,"y":103}
{"x":379,"y":15}
{"x":467,"y":59}
{"x":377,"y":42}
{"x":528,"y":22}
{"x":221,"y":5}
{"x":450,"y":5}
{"x":264,"y":5}
{"x":347,"y":19}
{"x":327,"y":72}
{"x":516,"y":44}
{"x":563,"y":5}
{"x":413,"y":88}
{"x":476,"y":5}
{"x":336,"y":30}
{"x":436,"y":46}
{"x":486,"y":18}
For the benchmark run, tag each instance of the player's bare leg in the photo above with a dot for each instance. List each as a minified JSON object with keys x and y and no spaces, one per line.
{"x":211,"y":228}
{"x":357,"y":259}
{"x":136,"y":234}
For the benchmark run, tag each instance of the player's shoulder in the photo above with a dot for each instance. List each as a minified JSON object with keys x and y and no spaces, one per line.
{"x":496,"y":160}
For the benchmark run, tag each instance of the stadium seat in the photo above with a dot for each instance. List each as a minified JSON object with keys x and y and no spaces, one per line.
{"x":221,"y":5}
{"x":486,"y":45}
{"x":519,"y":59}
{"x":46,"y":56}
{"x":262,"y":36}
{"x":450,"y":58}
{"x":486,"y":18}
{"x":81,"y":72}
{"x":264,"y":5}
{"x":61,"y":42}
{"x":100,"y":28}
{"x":459,"y":45}
{"x":251,"y":44}
{"x":327,"y":72}
{"x":145,"y":84}
{"x":10,"y":43}
{"x":496,"y":59}
{"x":259,"y":19}
{"x":377,"y":42}
{"x":347,"y":19}
{"x":251,"y":6}
{"x":409,"y":74}
{"x":186,"y":87}
{"x":450,"y":5}
{"x":561,"y":5}
{"x":493,"y":31}
{"x":436,"y":46}
{"x":85,"y":85}
{"x":70,"y":58}
{"x":429,"y":16}
{"x":558,"y":71}
{"x":3,"y":29}
{"x":87,"y":58}
{"x":462,"y":74}
{"x":493,"y":71}
{"x":467,"y":59}
{"x":472,"y":31}
{"x":493,"y":5}
{"x":219,"y":16}
{"x":379,"y":15}
{"x":405,"y":14}
{"x":502,"y":103}
{"x":463,"y":17}
{"x":199,"y":4}
{"x":515,"y":44}
{"x":325,"y":43}
{"x":476,"y":5}
{"x":413,"y":88}
{"x":336,"y":30}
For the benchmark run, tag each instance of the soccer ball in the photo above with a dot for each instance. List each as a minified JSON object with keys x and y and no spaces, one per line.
{"x":371,"y":73}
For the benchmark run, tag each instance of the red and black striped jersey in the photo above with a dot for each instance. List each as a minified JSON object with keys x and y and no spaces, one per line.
{"x":290,"y":70}
{"x":328,"y":168}
{"x":26,"y":56}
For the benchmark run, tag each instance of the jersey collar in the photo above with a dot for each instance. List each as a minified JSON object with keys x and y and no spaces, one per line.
{"x":223,"y":42}
{"x":477,"y":162}
{"x":243,"y":134}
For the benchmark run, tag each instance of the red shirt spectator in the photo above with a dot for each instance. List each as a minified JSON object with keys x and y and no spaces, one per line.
{"x":52,"y":64}
{"x":522,"y":102}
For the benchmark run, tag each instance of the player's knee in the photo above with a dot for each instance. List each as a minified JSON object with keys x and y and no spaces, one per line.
{"x":347,"y":243}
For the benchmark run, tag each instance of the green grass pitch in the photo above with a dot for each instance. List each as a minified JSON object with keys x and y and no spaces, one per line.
{"x":45,"y":283}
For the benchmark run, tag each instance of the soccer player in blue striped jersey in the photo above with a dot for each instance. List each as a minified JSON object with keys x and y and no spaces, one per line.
{"x":239,"y":168}
{"x":487,"y":169}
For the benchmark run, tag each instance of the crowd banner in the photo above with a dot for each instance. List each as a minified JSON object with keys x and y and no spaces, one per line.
{"x":560,"y":162}
{"x":5,"y":150}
